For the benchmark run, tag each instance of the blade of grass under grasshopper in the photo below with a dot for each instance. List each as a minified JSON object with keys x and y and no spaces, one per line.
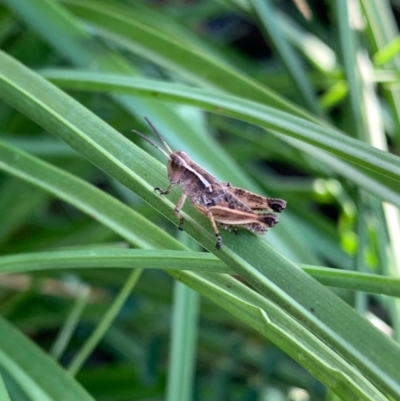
{"x":263,"y":315}
{"x":262,"y":266}
{"x":66,"y":34}
{"x":339,"y":379}
{"x":64,"y":182}
{"x":64,"y":186}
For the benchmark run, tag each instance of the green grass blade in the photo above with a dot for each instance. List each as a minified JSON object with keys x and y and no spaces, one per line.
{"x":117,"y":216}
{"x":70,"y":324}
{"x":185,"y":324}
{"x":20,"y":358}
{"x":311,"y":46}
{"x":17,"y":204}
{"x":268,"y":17}
{"x":66,"y":34}
{"x":183,"y":343}
{"x":62,"y":31}
{"x":349,"y":50}
{"x":387,"y":52}
{"x":279,"y":279}
{"x":382,"y":29}
{"x":324,"y":138}
{"x":104,"y":323}
{"x":267,"y":318}
{"x":372,"y":125}
{"x":178,"y":260}
{"x":201,"y":67}
{"x":201,"y":43}
{"x":3,"y":391}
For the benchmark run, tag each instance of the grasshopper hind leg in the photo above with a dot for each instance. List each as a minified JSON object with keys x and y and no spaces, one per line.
{"x":207,"y":212}
{"x":210,"y":216}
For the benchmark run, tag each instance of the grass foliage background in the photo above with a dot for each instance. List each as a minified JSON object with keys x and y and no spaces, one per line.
{"x":103,"y":298}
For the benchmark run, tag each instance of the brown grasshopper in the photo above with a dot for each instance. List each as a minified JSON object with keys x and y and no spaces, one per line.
{"x":222,"y":203}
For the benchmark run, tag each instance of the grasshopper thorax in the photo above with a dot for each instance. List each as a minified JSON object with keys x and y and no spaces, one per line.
{"x":183,"y":171}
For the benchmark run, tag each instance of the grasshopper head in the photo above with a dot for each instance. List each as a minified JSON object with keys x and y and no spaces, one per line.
{"x":177,"y":165}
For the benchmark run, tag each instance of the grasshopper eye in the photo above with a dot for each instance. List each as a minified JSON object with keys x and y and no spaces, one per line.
{"x":176,"y":161}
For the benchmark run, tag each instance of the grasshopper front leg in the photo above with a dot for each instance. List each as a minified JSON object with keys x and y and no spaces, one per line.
{"x":162,"y":192}
{"x":178,"y":208}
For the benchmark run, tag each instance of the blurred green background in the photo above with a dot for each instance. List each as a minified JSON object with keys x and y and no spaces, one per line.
{"x":291,"y":99}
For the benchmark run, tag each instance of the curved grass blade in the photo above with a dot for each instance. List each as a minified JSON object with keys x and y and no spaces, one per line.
{"x":178,"y":260}
{"x":324,"y":138}
{"x":105,"y":322}
{"x":265,"y":317}
{"x":67,"y":36}
{"x":269,"y":272}
{"x":199,"y":66}
{"x":343,"y":384}
{"x":3,"y":391}
{"x":26,"y":363}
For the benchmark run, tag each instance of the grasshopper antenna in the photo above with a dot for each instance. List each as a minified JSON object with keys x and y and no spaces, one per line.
{"x":152,"y":143}
{"x":159,"y":135}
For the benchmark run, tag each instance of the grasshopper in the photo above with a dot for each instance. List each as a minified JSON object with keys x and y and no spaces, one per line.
{"x":223,"y":204}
